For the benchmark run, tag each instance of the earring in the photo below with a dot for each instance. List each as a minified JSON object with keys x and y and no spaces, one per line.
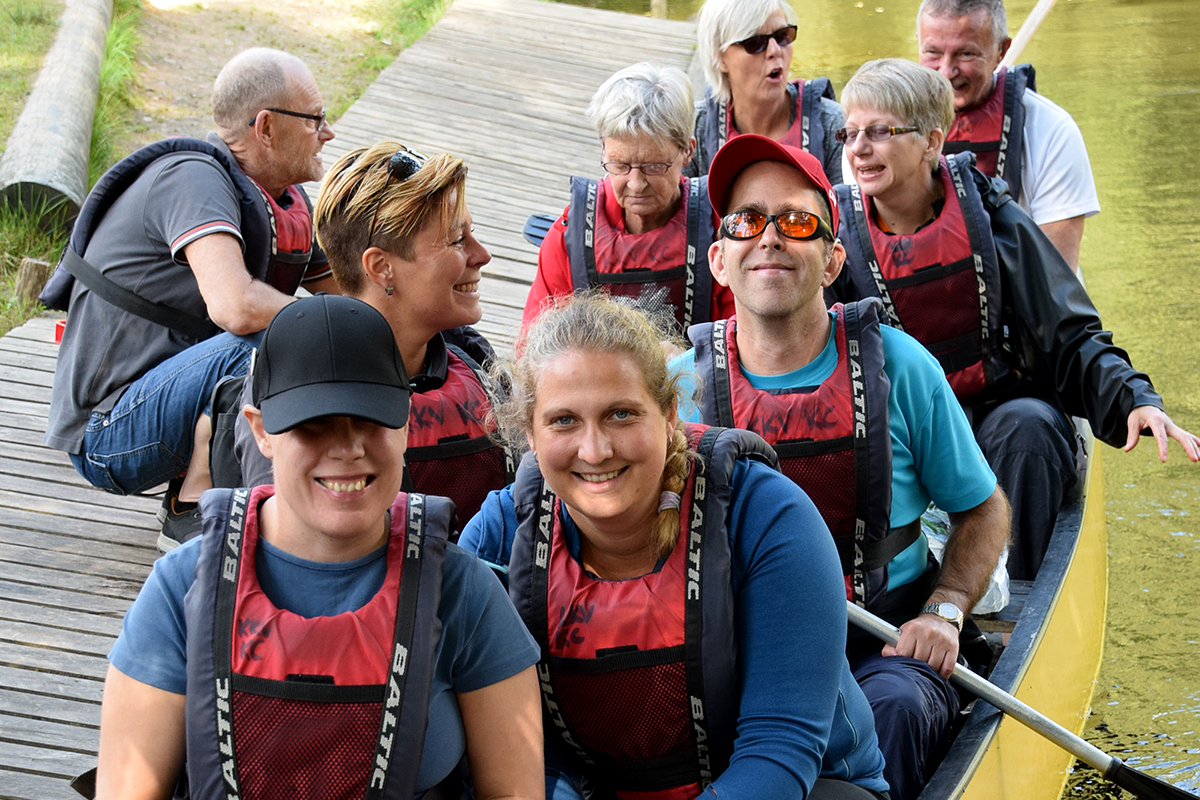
{"x":389,"y":290}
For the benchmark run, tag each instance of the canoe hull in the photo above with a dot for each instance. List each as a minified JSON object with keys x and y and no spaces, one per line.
{"x":1051,"y":663}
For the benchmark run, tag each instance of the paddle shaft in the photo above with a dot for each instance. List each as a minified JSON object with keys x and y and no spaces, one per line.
{"x":1115,"y":770}
{"x":1026,"y":33}
{"x":990,"y":692}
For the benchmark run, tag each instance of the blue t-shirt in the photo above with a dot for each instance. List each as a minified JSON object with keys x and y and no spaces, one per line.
{"x":934,"y":453}
{"x":483,"y":639}
{"x":800,"y":715}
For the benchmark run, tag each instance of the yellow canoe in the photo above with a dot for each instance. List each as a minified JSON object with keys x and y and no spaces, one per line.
{"x":1050,"y":663}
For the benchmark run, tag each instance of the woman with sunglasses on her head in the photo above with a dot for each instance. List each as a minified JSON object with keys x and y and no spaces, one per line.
{"x":322,"y":637}
{"x":643,"y":230}
{"x":746,"y":49}
{"x":687,"y":597}
{"x":398,"y":236}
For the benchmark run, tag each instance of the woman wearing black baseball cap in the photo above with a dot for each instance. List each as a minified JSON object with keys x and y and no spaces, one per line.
{"x":322,"y":638}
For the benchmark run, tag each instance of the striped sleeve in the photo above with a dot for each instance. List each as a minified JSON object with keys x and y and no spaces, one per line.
{"x":199,"y":232}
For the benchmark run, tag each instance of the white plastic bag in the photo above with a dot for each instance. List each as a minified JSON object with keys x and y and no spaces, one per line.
{"x":935,"y":524}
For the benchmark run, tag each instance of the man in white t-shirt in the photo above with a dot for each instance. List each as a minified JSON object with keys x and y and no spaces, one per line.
{"x":1042,"y":154}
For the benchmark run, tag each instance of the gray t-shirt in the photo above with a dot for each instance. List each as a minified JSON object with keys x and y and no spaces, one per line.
{"x":139,"y":244}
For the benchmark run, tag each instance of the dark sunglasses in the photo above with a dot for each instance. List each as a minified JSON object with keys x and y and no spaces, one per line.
{"x":875,"y":133}
{"x":757,"y":43}
{"x":402,"y":165}
{"x":317,"y":118}
{"x":799,"y":225}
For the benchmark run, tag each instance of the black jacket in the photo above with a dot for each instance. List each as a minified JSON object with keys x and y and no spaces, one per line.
{"x":1054,"y":342}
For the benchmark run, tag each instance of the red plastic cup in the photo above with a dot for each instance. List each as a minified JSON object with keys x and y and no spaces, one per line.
{"x":59,"y":327}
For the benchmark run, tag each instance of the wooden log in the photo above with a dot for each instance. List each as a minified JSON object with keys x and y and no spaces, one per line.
{"x":45,"y":163}
{"x":31,"y":276}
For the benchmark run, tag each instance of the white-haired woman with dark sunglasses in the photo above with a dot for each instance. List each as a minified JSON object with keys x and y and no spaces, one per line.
{"x":643,"y":230}
{"x":746,"y":49}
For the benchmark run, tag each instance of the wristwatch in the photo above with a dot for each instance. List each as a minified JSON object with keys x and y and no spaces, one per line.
{"x":947,"y":611}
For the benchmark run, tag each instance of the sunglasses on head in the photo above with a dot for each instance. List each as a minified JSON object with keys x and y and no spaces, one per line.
{"x":403,"y":164}
{"x":798,"y":225}
{"x":757,"y":43}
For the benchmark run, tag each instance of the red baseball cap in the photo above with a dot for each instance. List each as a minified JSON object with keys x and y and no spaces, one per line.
{"x":746,"y":149}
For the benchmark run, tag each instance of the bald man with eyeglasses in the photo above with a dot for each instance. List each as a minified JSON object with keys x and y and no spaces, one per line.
{"x":182,"y":254}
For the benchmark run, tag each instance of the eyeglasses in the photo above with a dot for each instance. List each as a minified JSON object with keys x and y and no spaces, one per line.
{"x":875,"y":133}
{"x":757,"y":43}
{"x":317,"y":118}
{"x":653,"y":169}
{"x":403,"y":164}
{"x":799,"y":225}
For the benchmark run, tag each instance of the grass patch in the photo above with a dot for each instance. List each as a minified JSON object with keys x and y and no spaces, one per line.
{"x":28,"y":28}
{"x":397,"y":23}
{"x":118,"y":78}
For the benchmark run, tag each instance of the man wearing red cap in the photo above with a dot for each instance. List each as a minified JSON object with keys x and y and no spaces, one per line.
{"x":864,"y":421}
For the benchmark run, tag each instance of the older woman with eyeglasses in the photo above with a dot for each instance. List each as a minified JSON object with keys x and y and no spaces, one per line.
{"x":968,"y":273}
{"x":641,"y":232}
{"x":746,"y":49}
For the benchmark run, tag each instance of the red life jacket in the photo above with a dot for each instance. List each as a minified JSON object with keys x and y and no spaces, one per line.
{"x":940,"y":284}
{"x":659,"y":267}
{"x":291,"y":239}
{"x":995,"y":131}
{"x":451,"y":450}
{"x":828,"y":437}
{"x":638,"y":677}
{"x":805,"y":132}
{"x":283,"y":706}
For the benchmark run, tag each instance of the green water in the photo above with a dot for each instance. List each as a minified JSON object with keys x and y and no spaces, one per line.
{"x":1129,"y":72}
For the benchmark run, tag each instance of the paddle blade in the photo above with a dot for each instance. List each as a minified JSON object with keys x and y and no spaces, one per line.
{"x":1143,"y":786}
{"x":536,"y":228}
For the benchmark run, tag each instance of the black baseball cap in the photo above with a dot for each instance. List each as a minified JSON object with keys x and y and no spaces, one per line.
{"x":326,"y":356}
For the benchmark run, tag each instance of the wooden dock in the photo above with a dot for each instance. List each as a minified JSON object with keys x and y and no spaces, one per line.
{"x":501,"y":83}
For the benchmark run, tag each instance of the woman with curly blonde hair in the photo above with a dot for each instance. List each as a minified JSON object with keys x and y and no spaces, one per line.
{"x":686,"y":596}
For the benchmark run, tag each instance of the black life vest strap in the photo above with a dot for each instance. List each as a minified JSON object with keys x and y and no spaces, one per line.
{"x":182,"y":322}
{"x":1017,"y":80}
{"x":862,"y":455}
{"x":697,"y":284}
{"x":722,"y":392}
{"x":702,"y":505}
{"x":402,"y":648}
{"x":860,"y":222}
{"x":959,"y":180}
{"x":580,"y":237}
{"x":877,"y":554}
{"x":812,"y":130}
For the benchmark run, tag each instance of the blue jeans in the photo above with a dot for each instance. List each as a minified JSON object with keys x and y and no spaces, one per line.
{"x":146,"y":438}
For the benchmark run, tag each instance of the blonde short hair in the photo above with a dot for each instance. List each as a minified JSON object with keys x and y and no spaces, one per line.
{"x":358,"y":189}
{"x":917,"y":95}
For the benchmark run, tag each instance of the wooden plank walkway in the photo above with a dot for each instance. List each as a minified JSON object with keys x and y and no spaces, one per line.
{"x":500,"y":83}
{"x":504,"y":85}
